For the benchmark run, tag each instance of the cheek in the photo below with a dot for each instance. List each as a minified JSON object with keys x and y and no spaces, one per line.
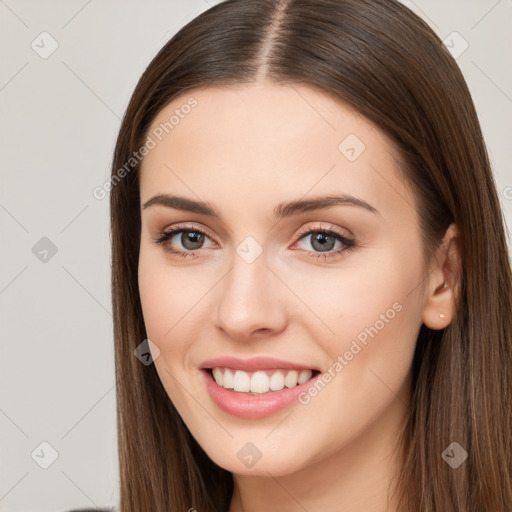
{"x":373,"y":307}
{"x":377,"y":324}
{"x":168,"y":295}
{"x":157,"y":303}
{"x":377,"y":290}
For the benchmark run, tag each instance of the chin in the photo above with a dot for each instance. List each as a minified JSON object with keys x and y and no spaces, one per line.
{"x":270,"y":464}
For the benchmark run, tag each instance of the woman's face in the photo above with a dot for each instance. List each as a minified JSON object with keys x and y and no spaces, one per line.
{"x":312,"y":263}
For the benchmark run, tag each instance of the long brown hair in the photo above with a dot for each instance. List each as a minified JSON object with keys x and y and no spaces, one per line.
{"x":382,"y":59}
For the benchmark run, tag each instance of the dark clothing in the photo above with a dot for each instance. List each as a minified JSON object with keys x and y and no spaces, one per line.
{"x":91,"y":510}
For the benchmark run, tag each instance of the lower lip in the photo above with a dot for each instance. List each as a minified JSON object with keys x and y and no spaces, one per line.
{"x":253,"y":406}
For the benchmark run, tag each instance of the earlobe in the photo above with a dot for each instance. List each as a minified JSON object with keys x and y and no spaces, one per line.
{"x":443,"y":283}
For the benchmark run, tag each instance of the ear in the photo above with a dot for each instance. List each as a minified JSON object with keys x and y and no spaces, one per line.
{"x":443,"y":282}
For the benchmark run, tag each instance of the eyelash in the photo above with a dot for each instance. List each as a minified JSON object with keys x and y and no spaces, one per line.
{"x":349,"y":243}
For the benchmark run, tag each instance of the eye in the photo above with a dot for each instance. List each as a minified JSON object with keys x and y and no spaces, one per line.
{"x":190,"y":238}
{"x":323,"y":241}
{"x":184,"y":241}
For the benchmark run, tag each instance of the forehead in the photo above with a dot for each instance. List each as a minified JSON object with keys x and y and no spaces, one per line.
{"x":268,"y":138}
{"x":273,"y":114}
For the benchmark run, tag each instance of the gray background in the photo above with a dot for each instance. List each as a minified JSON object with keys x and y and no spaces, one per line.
{"x":59,"y":119}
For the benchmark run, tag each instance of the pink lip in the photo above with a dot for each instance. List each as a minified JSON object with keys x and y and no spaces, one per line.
{"x":253,"y":406}
{"x":253,"y":364}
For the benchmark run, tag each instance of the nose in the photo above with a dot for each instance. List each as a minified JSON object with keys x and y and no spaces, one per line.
{"x":251,"y":301}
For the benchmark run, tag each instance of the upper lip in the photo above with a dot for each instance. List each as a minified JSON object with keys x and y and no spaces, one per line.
{"x":253,"y":364}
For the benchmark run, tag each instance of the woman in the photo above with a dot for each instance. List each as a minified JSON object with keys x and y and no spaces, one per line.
{"x":310,"y":277}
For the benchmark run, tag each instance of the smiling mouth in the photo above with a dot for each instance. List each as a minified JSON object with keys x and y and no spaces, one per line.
{"x":260,"y":381}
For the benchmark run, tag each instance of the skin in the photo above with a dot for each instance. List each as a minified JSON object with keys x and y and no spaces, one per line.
{"x":244,"y":149}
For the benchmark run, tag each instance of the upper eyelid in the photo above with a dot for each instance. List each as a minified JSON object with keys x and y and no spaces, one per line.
{"x":330,"y":228}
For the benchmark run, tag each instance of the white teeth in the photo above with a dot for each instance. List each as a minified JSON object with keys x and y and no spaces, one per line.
{"x":218,"y":376}
{"x":304,"y":376}
{"x":242,"y":381}
{"x":290,"y":380}
{"x":277,"y":381}
{"x":227,"y":379}
{"x":261,"y":381}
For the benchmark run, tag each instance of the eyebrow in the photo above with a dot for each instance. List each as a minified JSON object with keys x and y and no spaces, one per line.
{"x":282,"y":210}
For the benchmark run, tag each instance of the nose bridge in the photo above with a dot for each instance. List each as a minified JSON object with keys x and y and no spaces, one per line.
{"x":249,"y":298}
